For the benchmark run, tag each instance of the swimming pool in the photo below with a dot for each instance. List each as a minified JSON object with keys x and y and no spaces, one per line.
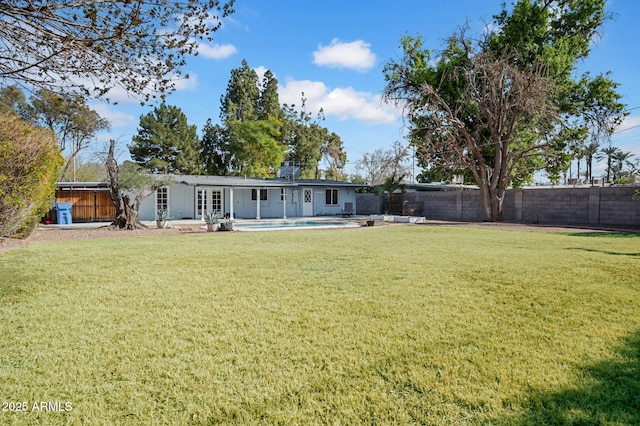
{"x":290,"y":224}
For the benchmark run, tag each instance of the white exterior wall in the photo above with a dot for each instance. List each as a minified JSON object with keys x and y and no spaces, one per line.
{"x":245,"y":208}
{"x":320,"y":206}
{"x":182,"y":203}
{"x":147,"y":208}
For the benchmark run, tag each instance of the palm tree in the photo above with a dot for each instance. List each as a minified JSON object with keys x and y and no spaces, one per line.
{"x":579,"y":154}
{"x":391,"y":185}
{"x":621,"y":158}
{"x":590,"y":151}
{"x":608,"y":153}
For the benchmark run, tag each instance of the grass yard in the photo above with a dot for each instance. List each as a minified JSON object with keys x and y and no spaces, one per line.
{"x":395,"y":325}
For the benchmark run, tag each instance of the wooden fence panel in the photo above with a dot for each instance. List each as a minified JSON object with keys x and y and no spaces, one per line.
{"x":89,"y":205}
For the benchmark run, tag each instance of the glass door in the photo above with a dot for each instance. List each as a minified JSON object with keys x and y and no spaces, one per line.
{"x":209,"y":200}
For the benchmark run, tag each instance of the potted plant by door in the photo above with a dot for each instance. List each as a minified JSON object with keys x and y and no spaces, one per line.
{"x":212,"y":219}
{"x":227,"y":225}
{"x":162,"y":216}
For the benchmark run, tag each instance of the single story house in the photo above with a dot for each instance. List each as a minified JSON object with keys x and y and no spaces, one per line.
{"x":190,"y":197}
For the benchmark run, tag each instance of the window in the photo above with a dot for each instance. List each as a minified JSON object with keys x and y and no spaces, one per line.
{"x":162,"y":198}
{"x":263,"y":194}
{"x":283,"y":194}
{"x":331,"y":197}
{"x":202,"y":202}
{"x":216,"y":200}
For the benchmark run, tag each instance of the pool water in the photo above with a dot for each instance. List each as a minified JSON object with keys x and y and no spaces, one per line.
{"x":266,"y":225}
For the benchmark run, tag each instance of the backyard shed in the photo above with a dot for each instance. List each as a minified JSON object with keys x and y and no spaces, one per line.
{"x":90,"y":201}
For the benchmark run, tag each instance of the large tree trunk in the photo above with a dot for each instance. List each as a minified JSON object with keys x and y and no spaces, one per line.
{"x":126,"y":212}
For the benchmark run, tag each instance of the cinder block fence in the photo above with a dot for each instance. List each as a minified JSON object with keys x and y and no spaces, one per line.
{"x":596,"y":206}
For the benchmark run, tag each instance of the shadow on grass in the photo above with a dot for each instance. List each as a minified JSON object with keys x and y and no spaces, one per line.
{"x":613,"y":253}
{"x":611,"y":395}
{"x":605,"y":234}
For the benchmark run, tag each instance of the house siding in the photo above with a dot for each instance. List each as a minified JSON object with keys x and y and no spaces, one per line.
{"x":182,"y":204}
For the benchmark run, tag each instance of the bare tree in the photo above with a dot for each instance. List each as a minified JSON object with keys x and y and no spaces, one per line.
{"x":92,"y":46}
{"x":127,"y":211}
{"x":514,"y":107}
{"x":381,"y":164}
{"x":73,"y":122}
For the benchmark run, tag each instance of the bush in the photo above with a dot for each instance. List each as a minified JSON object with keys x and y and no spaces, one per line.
{"x":29,"y":160}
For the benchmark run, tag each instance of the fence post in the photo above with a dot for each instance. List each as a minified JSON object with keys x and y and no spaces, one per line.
{"x":594,"y":205}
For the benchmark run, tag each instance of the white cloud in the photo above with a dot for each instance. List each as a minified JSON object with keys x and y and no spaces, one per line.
{"x":216,"y":51}
{"x":629,"y":123}
{"x":261,"y":70}
{"x":184,"y":83}
{"x":118,"y":119}
{"x":356,"y":55}
{"x":120,"y":95}
{"x":343,"y":103}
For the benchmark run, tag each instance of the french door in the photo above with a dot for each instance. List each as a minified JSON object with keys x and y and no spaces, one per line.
{"x":209,"y":200}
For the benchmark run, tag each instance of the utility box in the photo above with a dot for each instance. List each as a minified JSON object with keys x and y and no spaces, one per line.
{"x":64,"y":213}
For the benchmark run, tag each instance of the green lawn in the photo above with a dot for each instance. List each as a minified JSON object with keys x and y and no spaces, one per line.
{"x":393,"y":325}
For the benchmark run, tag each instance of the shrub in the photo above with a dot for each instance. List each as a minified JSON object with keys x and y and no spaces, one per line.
{"x":29,"y":160}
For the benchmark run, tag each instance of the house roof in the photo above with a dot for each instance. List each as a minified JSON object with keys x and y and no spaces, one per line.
{"x":82,"y":185}
{"x":225,"y":181}
{"x":438,"y":187}
{"x":247,"y":182}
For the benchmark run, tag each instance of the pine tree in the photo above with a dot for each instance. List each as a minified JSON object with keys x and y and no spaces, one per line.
{"x":240,"y":102}
{"x":165,"y":142}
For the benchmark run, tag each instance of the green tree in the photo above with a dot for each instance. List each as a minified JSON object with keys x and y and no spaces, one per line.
{"x":493,"y":107}
{"x":334,"y":157}
{"x":215,"y":157}
{"x":249,"y":141}
{"x":591,"y":151}
{"x":594,"y":110}
{"x":71,"y":119}
{"x":255,"y":147}
{"x":90,"y":171}
{"x":240,"y":102}
{"x":609,"y":153}
{"x":165,"y":142}
{"x":13,"y":99}
{"x":268,"y":101}
{"x":309,"y":143}
{"x":304,"y":138}
{"x":93,"y":46}
{"x":29,"y":160}
{"x":252,"y":106}
{"x":560,"y":34}
{"x":621,"y":159}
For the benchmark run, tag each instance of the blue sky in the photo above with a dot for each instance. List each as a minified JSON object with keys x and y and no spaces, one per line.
{"x":334,"y":52}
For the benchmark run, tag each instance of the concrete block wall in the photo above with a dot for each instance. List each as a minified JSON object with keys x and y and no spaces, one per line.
{"x":367,"y":204}
{"x":603,"y":206}
{"x":560,"y":205}
{"x":616,"y":207}
{"x":448,"y":205}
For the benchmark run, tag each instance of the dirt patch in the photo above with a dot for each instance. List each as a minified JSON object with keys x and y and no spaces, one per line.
{"x":42,"y":234}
